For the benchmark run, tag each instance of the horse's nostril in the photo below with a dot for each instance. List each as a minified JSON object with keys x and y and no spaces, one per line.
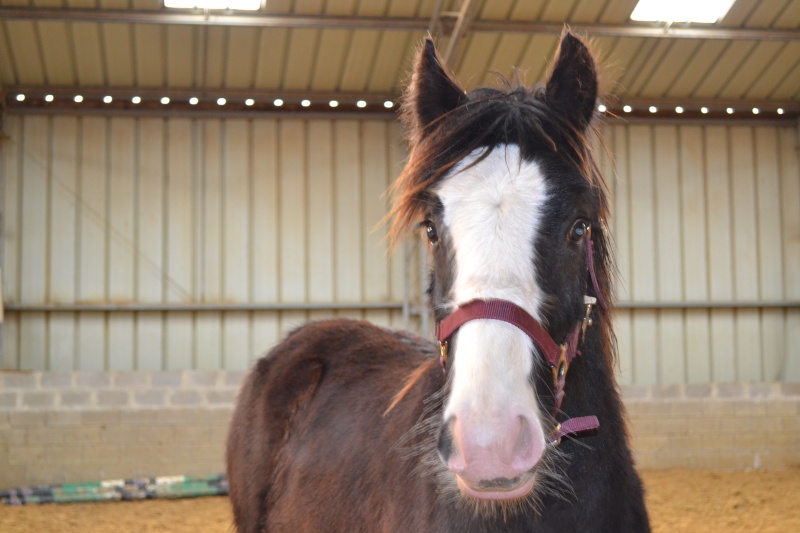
{"x":445,"y":442}
{"x":448,"y":452}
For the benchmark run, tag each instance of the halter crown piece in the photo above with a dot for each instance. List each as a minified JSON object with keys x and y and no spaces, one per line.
{"x":558,"y":356}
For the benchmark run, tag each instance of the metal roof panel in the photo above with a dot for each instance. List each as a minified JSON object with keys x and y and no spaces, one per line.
{"x":240,"y":58}
{"x":59,"y":67}
{"x":7,"y":74}
{"x":27,"y":58}
{"x":748,"y":71}
{"x":120,"y":50}
{"x":182,"y":56}
{"x":393,"y":59}
{"x":88,"y":62}
{"x":674,"y":61}
{"x":216,"y":52}
{"x":360,"y":60}
{"x":116,"y":54}
{"x":713,"y":82}
{"x":704,"y":58}
{"x":271,"y":57}
{"x":150,"y":66}
{"x":330,"y":58}
{"x":778,"y":69}
{"x":303,"y":46}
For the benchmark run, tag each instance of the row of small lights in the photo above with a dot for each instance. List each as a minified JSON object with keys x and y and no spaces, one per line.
{"x":388,"y":104}
{"x":678,"y":109}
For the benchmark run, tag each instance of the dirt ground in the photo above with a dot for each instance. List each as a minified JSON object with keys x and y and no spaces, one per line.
{"x":696,"y":501}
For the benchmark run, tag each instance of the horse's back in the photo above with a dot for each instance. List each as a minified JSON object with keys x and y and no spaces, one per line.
{"x":305,"y":412}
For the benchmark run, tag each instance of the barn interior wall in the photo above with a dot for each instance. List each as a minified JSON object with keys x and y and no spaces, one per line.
{"x":180,"y":210}
{"x":706,"y":213}
{"x":117,"y":210}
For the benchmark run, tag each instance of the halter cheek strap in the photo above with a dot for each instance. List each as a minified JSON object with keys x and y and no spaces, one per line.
{"x":558,"y":356}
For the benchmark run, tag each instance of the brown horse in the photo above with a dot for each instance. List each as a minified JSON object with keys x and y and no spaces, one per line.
{"x":346,"y":426}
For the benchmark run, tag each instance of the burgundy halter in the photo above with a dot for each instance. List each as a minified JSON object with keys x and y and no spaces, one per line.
{"x":558,"y":356}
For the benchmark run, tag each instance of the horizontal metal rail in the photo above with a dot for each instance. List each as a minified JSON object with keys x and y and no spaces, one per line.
{"x":199,"y":307}
{"x":365,"y":306}
{"x":221,"y":18}
{"x":729,"y":304}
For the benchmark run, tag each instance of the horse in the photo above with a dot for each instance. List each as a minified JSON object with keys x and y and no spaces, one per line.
{"x":347,"y":426}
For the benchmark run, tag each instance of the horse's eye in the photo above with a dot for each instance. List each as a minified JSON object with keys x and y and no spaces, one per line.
{"x":430,"y":230}
{"x":578,"y":231}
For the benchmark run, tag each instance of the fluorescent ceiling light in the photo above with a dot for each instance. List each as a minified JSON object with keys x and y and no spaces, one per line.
{"x":241,"y":5}
{"x":703,"y":11}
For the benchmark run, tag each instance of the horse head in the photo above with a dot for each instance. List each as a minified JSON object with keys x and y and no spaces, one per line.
{"x":504,"y":187}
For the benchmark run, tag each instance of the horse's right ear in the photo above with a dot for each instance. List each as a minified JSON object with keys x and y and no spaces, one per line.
{"x":433,"y":92}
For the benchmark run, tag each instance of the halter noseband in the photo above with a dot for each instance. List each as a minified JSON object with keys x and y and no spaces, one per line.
{"x":558,"y":356}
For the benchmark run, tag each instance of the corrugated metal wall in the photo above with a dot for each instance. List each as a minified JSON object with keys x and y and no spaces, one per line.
{"x":706,"y":214}
{"x":176,"y":211}
{"x":154,"y":210}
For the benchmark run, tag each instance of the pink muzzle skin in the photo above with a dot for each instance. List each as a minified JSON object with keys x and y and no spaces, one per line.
{"x":498,"y":469}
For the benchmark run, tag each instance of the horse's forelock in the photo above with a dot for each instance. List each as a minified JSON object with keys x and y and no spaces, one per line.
{"x":489,"y":117}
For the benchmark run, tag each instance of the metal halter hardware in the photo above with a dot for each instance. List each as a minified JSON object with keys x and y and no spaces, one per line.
{"x":558,"y":356}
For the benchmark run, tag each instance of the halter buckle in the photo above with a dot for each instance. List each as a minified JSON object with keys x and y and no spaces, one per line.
{"x":589,"y":302}
{"x":443,"y":352}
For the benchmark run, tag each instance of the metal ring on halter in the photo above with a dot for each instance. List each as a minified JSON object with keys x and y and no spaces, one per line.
{"x":555,"y":442}
{"x":561,"y":367}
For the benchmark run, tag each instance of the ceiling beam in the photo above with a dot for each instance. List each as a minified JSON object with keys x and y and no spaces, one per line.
{"x":435,"y":23}
{"x":189,"y":17}
{"x":455,"y":44}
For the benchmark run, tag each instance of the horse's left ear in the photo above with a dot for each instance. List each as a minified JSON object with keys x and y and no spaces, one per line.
{"x":572,"y":87}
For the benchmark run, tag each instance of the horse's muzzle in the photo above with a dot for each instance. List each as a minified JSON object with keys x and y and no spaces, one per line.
{"x":494,"y":460}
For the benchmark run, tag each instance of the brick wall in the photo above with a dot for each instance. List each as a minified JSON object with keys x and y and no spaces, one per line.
{"x":85,"y":426}
{"x":720,"y":426}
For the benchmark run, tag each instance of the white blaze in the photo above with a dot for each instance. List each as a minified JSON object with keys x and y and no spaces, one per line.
{"x":493,"y":211}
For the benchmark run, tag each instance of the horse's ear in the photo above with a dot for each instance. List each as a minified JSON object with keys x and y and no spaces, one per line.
{"x":433,"y":92}
{"x":572,"y":87}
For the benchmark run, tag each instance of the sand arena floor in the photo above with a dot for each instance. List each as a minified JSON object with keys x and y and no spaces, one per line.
{"x":696,"y":501}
